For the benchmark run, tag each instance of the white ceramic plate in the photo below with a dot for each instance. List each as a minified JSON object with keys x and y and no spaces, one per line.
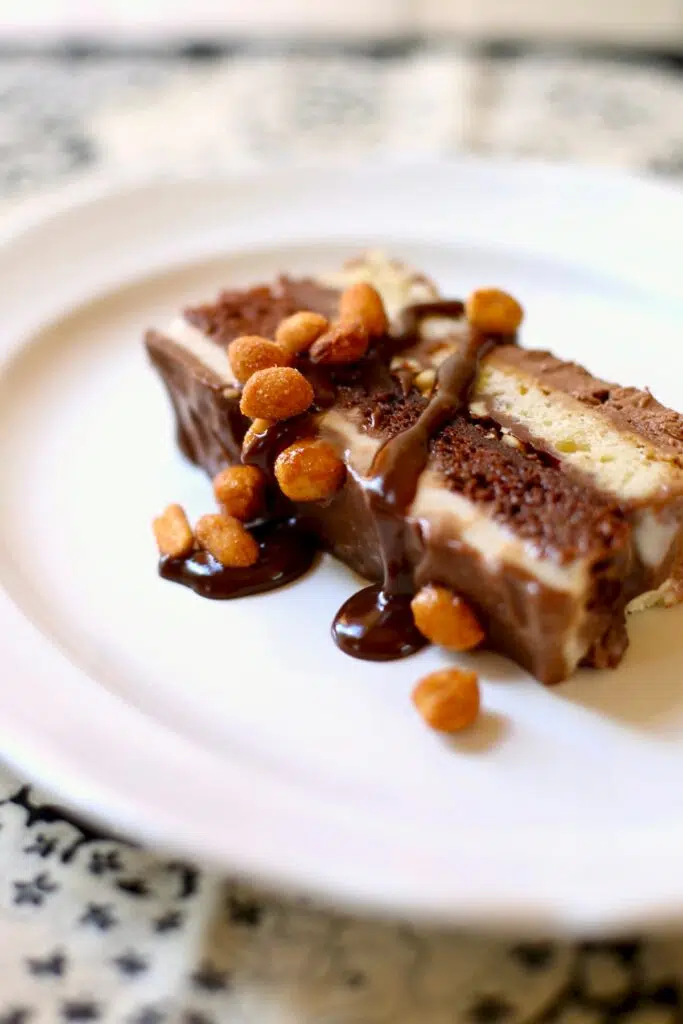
{"x":236,"y":732}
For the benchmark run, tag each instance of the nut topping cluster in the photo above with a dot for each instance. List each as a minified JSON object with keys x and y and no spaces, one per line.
{"x":223,"y":536}
{"x":273,"y":389}
{"x":240,"y":493}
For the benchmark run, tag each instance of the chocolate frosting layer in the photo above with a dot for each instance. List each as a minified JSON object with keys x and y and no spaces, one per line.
{"x":209,"y":424}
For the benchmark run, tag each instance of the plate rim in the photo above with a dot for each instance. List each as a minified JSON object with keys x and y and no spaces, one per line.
{"x":44,"y":760}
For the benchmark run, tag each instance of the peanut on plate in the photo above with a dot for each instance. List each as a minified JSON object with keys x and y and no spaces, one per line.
{"x":226,"y":539}
{"x":173,"y":533}
{"x":449,"y":699}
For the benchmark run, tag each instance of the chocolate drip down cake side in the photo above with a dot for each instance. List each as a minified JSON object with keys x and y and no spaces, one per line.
{"x":493,"y":495}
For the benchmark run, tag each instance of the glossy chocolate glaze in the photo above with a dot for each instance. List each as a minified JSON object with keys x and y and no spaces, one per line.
{"x":286,"y":553}
{"x":376,"y":623}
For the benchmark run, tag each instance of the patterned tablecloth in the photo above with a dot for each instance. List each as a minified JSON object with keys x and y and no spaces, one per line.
{"x":95,"y":929}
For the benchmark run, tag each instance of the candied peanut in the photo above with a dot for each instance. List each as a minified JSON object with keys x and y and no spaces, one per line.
{"x":240,"y":491}
{"x":345,"y":342}
{"x":226,"y":539}
{"x":276,"y":394}
{"x":298,"y":332}
{"x":448,"y":700}
{"x":364,"y":303}
{"x":425,"y":381}
{"x":404,"y":363}
{"x":445,"y":619}
{"x":309,"y":470}
{"x":173,"y":533}
{"x":251,"y":353}
{"x":493,"y":311}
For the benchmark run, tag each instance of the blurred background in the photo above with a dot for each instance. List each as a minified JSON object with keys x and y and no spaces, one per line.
{"x":160,"y":87}
{"x":632,"y":22}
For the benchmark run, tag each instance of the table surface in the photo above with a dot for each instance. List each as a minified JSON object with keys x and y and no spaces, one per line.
{"x":95,"y":929}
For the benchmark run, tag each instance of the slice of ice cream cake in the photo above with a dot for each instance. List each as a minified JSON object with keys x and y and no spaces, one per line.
{"x":547,"y":499}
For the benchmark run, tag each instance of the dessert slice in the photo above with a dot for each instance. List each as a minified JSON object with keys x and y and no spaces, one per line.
{"x":545,"y":499}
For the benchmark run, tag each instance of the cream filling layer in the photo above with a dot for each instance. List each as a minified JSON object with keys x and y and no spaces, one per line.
{"x":205,"y":351}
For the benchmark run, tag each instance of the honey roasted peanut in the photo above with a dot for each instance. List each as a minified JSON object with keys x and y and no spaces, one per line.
{"x":226,"y":539}
{"x":240,"y":491}
{"x":173,"y":533}
{"x":425,"y":381}
{"x":309,"y":470}
{"x":298,"y":332}
{"x":277,"y":393}
{"x":361,"y":302}
{"x":449,"y":699}
{"x":493,"y":311}
{"x":446,"y":619}
{"x":250,"y":353}
{"x":345,"y":342}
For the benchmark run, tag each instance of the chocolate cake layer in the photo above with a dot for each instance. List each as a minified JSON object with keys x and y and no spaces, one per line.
{"x":547,"y":556}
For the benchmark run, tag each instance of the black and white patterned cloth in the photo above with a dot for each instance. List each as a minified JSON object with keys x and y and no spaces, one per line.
{"x":93,"y":928}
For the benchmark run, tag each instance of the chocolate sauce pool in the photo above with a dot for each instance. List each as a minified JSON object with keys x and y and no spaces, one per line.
{"x":374,"y":625}
{"x":287,"y":552}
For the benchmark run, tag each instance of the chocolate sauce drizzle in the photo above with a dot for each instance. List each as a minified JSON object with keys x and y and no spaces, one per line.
{"x":376,"y":623}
